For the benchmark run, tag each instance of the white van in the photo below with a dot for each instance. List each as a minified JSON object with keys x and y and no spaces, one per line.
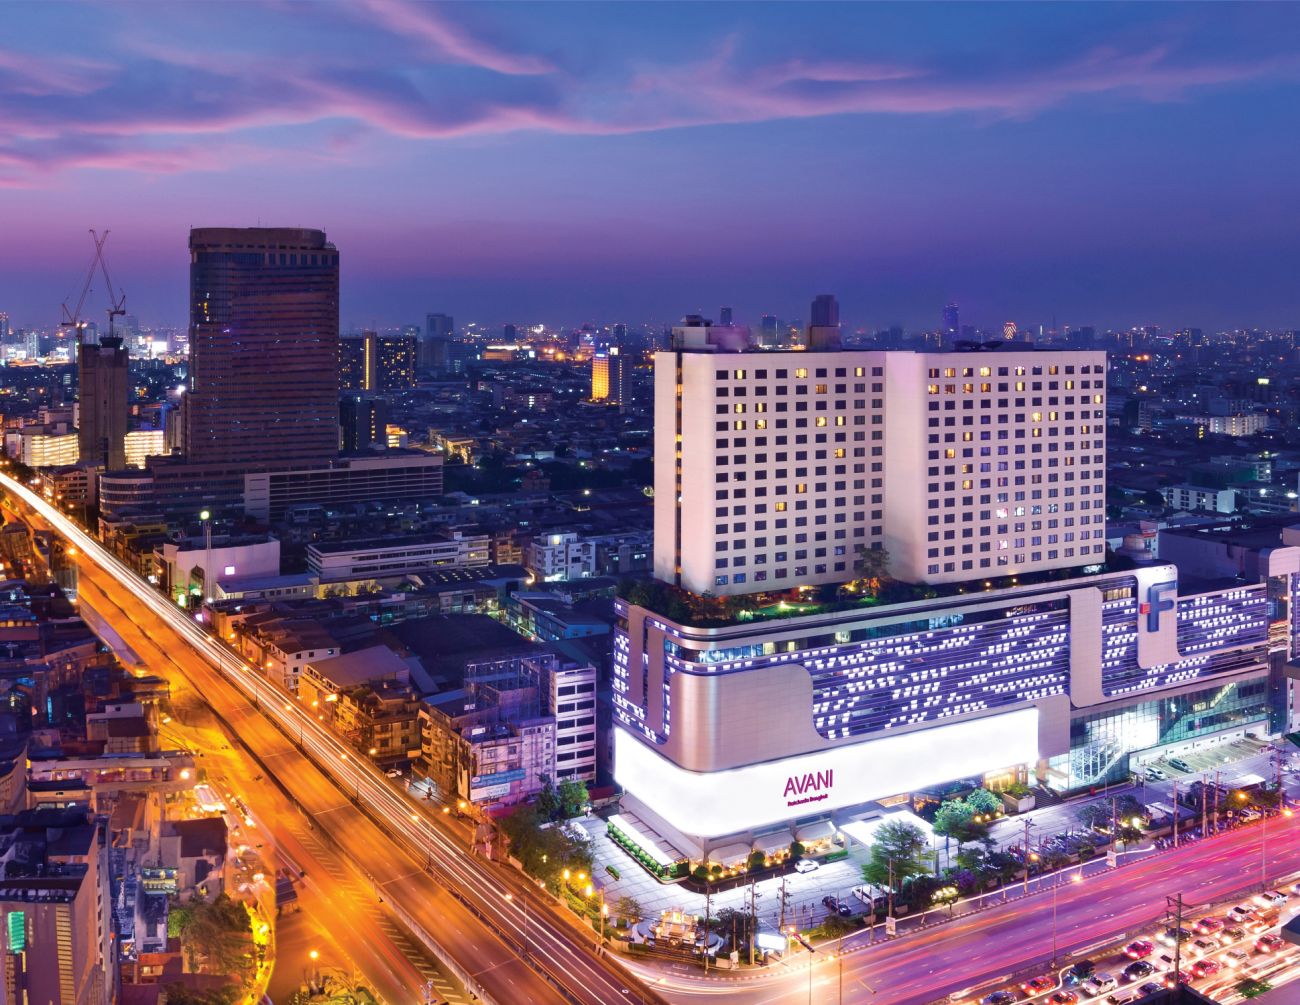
{"x":1124,"y":996}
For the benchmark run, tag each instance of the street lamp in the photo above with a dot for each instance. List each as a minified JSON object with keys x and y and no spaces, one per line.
{"x":1076,"y":878}
{"x":206,"y":519}
{"x":523,"y":903}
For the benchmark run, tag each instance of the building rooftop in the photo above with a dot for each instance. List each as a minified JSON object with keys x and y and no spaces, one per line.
{"x":353,"y":670}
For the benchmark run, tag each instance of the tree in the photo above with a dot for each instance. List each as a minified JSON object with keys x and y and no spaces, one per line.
{"x":898,"y":851}
{"x":220,"y":933}
{"x":955,"y":819}
{"x":835,"y":925}
{"x":573,"y":798}
{"x":1094,"y":815}
{"x":543,"y":850}
{"x":871,"y":567}
{"x":983,"y":801}
{"x":548,"y":800}
{"x":179,"y":994}
{"x":628,"y":909}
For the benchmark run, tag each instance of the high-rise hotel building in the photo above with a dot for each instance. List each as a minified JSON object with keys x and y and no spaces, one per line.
{"x":1020,"y":655}
{"x":773,"y":470}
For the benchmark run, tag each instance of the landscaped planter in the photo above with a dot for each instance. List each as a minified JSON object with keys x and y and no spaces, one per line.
{"x":1023,"y":804}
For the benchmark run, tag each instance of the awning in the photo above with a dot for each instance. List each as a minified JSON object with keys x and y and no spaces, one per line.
{"x":768,"y":843}
{"x":730,"y":854}
{"x":820,"y":831}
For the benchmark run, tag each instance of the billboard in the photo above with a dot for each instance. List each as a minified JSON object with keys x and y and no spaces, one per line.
{"x":716,"y":803}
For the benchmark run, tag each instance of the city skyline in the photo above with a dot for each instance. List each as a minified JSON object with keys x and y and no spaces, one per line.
{"x":516,"y":162}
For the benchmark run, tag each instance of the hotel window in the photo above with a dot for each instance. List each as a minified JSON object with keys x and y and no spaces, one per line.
{"x":801,"y":372}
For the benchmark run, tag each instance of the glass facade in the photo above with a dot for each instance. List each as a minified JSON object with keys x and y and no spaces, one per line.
{"x":264,"y":347}
{"x":1101,"y":742}
{"x":870,"y":678}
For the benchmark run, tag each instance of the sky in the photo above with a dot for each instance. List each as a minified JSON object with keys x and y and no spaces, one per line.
{"x":1106,"y":164}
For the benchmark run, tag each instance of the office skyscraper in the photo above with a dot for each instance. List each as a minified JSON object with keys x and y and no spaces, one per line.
{"x":435,"y":349}
{"x":264,"y":347}
{"x":824,"y":325}
{"x":1009,"y":331}
{"x":825,"y":312}
{"x":724,"y":316}
{"x":768,"y":331}
{"x":951,"y":323}
{"x":103,"y":383}
{"x":607,"y":375}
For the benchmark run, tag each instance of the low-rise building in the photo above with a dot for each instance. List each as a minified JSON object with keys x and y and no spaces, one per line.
{"x":393,"y":558}
{"x":559,"y":556}
{"x":1196,"y":497}
{"x":184,"y":567}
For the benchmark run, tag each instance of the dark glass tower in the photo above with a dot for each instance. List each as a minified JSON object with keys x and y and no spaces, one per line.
{"x":264,"y":347}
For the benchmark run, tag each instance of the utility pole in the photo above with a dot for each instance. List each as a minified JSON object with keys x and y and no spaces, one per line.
{"x":1217,"y":793}
{"x":1028,"y":823}
{"x":1174,"y":906}
{"x":1205,"y":785}
{"x":752,"y":923}
{"x":1175,"y":812}
{"x":784,"y":896}
{"x":708,"y":912}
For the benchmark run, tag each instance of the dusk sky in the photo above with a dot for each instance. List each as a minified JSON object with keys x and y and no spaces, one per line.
{"x":1105,"y":164}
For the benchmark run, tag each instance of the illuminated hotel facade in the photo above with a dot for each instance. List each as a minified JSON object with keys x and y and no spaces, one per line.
{"x":784,"y":720}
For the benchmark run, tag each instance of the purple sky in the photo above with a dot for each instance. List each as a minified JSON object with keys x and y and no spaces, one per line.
{"x":1101,"y":163}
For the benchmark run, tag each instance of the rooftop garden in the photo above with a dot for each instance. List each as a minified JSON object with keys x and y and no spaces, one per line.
{"x":872,"y":587}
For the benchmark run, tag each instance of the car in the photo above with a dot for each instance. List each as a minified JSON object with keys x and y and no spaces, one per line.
{"x":1206,"y":968}
{"x":1080,"y":972}
{"x":1037,"y":985}
{"x":1268,"y":943}
{"x":805,"y":865}
{"x":1233,"y":933}
{"x":1210,"y":925}
{"x":1170,"y":935}
{"x":1203,"y":947}
{"x":1139,"y":948}
{"x":998,"y":998}
{"x":844,"y":911}
{"x":1156,"y":775}
{"x":1271,"y":898}
{"x":1099,"y":984}
{"x":1236,"y":957}
{"x":1138,"y":969}
{"x":1150,"y":988}
{"x":831,"y":902}
{"x":1064,"y":997}
{"x":1178,"y":764}
{"x":394,"y":773}
{"x":1241,"y":912}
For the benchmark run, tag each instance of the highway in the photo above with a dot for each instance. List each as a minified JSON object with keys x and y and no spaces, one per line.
{"x":979,"y":949}
{"x":340,"y":918}
{"x":415,"y":863}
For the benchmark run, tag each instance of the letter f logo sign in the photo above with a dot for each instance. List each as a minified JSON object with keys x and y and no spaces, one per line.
{"x":1160,"y":598}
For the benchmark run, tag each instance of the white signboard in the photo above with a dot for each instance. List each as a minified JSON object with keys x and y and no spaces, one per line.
{"x":712,"y":804}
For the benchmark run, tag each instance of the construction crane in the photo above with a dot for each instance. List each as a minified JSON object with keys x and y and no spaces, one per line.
{"x":116,"y":304}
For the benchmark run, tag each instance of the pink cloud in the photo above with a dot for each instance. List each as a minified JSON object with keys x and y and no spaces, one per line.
{"x":423,"y":24}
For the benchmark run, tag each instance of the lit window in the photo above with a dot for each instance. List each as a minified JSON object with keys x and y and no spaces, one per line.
{"x":801,"y":372}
